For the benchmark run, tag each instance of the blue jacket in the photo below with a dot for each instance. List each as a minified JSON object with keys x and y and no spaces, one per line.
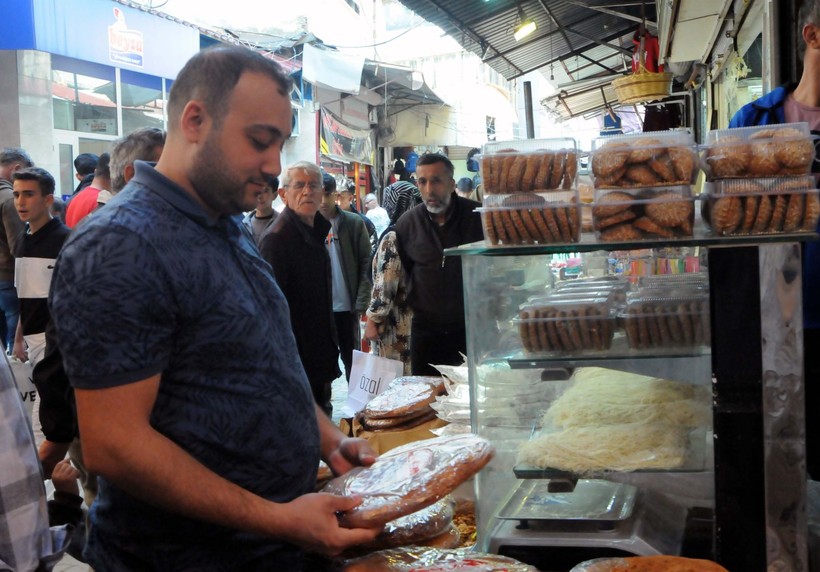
{"x":766,"y":111}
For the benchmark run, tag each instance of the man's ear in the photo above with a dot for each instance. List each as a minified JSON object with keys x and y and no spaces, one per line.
{"x":79,"y":176}
{"x":128,"y":172}
{"x":281,"y":193}
{"x":49,"y":199}
{"x":811,"y":36}
{"x":194,"y":121}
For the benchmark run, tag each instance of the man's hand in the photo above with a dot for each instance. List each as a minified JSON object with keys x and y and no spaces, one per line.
{"x":371,"y":330}
{"x":19,"y":350}
{"x":351,"y":452}
{"x":64,"y":477}
{"x":50,"y":454}
{"x":312,"y":524}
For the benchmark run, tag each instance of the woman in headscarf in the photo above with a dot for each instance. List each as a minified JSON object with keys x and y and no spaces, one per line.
{"x":389,"y":316}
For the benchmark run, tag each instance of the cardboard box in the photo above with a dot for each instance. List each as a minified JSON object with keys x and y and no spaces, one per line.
{"x":383,"y":441}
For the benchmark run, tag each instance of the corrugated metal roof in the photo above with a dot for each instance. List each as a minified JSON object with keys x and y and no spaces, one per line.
{"x":574,"y":40}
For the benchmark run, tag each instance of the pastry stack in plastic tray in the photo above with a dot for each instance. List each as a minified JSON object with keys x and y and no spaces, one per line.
{"x":760,"y":181}
{"x":643,"y":186}
{"x":530,"y":195}
{"x":664,"y":312}
{"x":576,"y":317}
{"x":670,"y":311}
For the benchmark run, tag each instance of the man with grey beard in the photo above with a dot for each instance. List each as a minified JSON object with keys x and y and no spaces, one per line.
{"x":443,"y":220}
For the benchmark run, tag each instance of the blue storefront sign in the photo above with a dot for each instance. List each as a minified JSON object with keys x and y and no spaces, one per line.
{"x":100,"y":31}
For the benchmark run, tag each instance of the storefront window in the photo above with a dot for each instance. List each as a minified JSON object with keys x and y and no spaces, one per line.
{"x":83,"y":96}
{"x":142,"y":103}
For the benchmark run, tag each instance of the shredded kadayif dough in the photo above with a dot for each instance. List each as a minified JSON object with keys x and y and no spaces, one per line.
{"x":611,"y":420}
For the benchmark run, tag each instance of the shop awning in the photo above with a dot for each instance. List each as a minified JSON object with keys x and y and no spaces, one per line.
{"x":574,"y":40}
{"x":398,"y":85}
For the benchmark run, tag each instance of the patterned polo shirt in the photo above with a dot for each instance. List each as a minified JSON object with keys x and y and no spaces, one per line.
{"x":151,"y":284}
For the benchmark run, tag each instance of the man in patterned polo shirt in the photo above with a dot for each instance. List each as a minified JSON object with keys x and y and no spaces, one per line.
{"x":192,"y":403}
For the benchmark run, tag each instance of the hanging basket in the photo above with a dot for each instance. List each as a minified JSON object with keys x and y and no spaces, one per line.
{"x":643,"y":86}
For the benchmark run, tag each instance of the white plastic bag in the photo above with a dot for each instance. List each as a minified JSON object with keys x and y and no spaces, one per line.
{"x":369,"y":376}
{"x":21,"y":370}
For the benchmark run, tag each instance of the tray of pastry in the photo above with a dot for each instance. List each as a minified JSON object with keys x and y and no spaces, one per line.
{"x":531,"y":218}
{"x":528,"y":165}
{"x":762,"y":151}
{"x":592,"y":499}
{"x":644,"y":160}
{"x":762,"y":206}
{"x":558,"y":324}
{"x":667,"y":317}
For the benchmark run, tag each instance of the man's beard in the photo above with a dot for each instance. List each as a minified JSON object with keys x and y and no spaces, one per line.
{"x":440,"y":208}
{"x":213,"y":182}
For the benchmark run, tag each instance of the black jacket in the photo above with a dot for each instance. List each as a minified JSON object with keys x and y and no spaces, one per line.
{"x":434,"y":281}
{"x":301,"y":265}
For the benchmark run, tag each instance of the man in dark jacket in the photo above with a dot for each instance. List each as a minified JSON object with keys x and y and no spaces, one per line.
{"x":434,"y":281}
{"x":788,"y":104}
{"x":295,"y":248}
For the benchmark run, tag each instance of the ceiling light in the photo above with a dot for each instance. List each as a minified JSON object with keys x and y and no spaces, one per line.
{"x":524,"y":28}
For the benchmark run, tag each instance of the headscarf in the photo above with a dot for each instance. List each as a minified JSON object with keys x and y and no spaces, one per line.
{"x":398,"y":198}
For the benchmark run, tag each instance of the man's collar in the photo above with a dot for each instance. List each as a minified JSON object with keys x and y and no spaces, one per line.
{"x":147,"y":176}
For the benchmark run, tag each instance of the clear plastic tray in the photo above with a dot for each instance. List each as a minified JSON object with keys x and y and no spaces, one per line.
{"x":629,"y":214}
{"x":566,"y":325}
{"x":644,"y":160}
{"x":528,"y":165}
{"x":654,"y":320}
{"x":784,"y":211}
{"x":762,"y":151}
{"x":591,"y":500}
{"x":697,"y":279}
{"x":531,"y":218}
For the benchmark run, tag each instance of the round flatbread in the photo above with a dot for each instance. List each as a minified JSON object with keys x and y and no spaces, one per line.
{"x":409,"y":478}
{"x":424,"y":558}
{"x":404,"y":395}
{"x":649,"y":564}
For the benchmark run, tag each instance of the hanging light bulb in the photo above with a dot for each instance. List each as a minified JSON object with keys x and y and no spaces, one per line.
{"x":525,"y":26}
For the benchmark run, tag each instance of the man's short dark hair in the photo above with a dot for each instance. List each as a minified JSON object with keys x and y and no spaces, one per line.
{"x":211,"y":75}
{"x":85,"y":163}
{"x":43,"y":178}
{"x":11,"y":155}
{"x":139,"y":145}
{"x":103,"y":165}
{"x":809,"y":14}
{"x":465,"y":184}
{"x":328,"y":183}
{"x":433,"y":158}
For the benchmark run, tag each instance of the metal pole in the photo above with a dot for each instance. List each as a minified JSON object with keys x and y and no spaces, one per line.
{"x":528,"y":110}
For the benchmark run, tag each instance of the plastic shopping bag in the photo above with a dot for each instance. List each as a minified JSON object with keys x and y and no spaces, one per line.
{"x":369,"y":376}
{"x":21,"y":370}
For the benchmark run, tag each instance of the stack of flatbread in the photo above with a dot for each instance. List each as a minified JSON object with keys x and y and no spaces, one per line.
{"x":430,"y":526}
{"x":416,"y":558}
{"x":403,"y":405}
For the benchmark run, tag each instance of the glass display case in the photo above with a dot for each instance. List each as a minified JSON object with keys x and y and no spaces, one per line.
{"x":726,"y":483}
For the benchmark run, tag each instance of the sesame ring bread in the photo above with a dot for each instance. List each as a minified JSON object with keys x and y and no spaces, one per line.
{"x":670,"y":212}
{"x":410,"y":478}
{"x":612,"y":203}
{"x":620,"y":233}
{"x":610,"y":158}
{"x":644,"y":149}
{"x":726,"y":214}
{"x":683,"y":162}
{"x":728,"y":158}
